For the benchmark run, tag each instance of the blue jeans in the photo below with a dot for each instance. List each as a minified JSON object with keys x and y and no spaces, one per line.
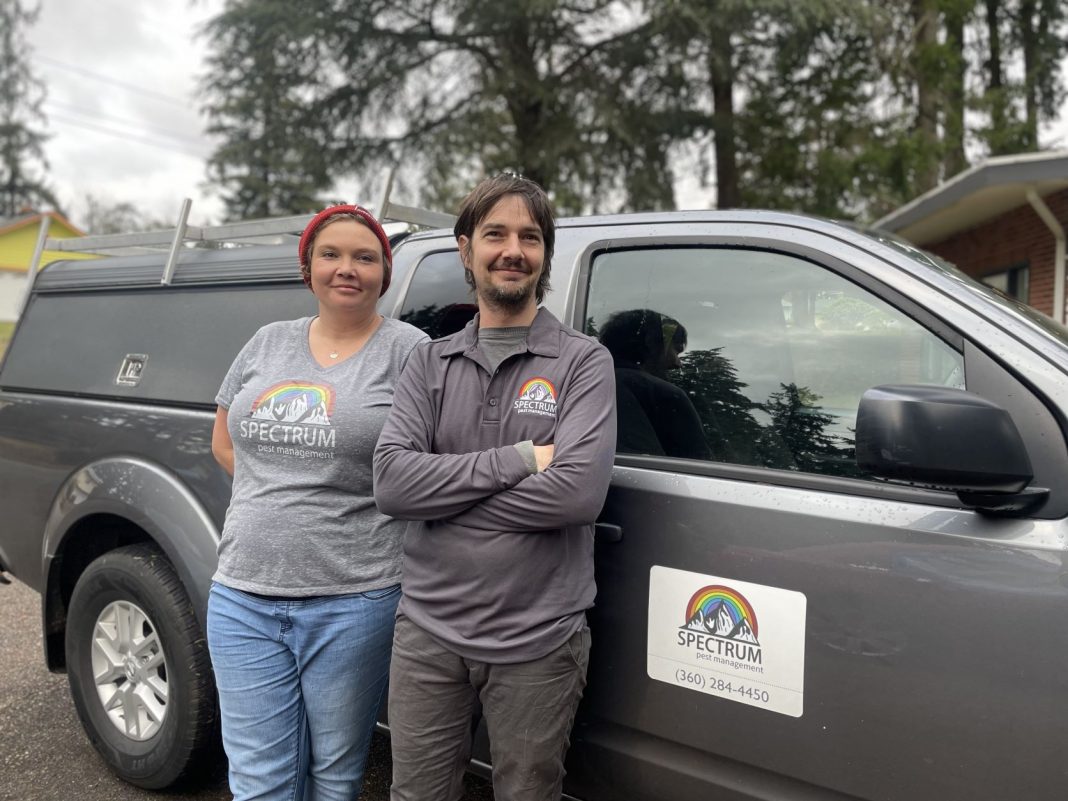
{"x":300,"y":683}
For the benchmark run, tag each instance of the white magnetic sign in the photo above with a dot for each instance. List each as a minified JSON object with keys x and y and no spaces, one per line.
{"x":733,"y":639}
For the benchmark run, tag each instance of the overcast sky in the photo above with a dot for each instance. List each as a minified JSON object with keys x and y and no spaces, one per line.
{"x":121,"y":105}
{"x":122,"y":108}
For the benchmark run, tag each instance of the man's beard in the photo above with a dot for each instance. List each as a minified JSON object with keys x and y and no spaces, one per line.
{"x":507,"y":298}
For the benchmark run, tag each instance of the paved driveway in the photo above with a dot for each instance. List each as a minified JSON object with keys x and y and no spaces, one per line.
{"x":44,"y":754}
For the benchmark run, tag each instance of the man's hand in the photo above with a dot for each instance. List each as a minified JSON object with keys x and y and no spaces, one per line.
{"x":543,"y":454}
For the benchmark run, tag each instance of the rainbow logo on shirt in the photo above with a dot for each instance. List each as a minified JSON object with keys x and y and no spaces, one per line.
{"x":295,"y":402}
{"x":722,"y":612}
{"x":537,"y":396}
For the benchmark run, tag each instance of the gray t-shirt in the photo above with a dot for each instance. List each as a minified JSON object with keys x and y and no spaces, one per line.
{"x":497,"y":344}
{"x":500,"y":343}
{"x":302,"y":519}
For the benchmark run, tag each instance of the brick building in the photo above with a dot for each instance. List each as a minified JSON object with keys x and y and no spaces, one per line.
{"x":1002,"y":221}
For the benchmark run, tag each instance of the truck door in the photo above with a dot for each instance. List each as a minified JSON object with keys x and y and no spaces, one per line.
{"x":770,"y":622}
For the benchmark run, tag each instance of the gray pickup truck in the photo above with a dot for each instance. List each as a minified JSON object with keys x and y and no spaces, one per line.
{"x":831,"y":564}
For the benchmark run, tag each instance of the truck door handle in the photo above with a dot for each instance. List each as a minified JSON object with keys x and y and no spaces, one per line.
{"x":607,"y":532}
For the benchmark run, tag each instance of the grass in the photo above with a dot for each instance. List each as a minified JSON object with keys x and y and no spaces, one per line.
{"x":6,"y":329}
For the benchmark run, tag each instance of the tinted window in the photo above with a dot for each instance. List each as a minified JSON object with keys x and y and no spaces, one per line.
{"x":750,"y":356}
{"x":439,"y":300}
{"x":1043,"y":322}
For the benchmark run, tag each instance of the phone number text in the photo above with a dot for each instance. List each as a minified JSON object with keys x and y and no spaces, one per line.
{"x":694,"y":678}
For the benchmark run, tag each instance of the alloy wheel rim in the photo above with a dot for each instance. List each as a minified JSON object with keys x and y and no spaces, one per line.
{"x":129,"y":670}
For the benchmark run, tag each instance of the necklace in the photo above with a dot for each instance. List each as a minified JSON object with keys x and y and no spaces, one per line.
{"x":335,"y":350}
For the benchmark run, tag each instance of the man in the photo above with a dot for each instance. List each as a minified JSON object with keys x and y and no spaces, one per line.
{"x":655,"y":416}
{"x":500,"y":447}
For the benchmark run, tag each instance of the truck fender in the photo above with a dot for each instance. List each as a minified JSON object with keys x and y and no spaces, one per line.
{"x":148,"y":496}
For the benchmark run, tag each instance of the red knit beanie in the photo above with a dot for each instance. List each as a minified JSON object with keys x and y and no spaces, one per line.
{"x":306,"y":238}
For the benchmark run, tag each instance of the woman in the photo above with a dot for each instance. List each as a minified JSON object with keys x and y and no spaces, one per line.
{"x":300,"y":615}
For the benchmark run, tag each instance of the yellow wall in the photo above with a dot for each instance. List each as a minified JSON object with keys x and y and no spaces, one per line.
{"x":16,"y":246}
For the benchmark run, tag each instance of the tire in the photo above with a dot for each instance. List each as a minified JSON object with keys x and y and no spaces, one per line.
{"x":151,"y":711}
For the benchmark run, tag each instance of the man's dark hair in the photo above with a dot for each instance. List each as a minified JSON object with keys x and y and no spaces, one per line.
{"x":477,"y":205}
{"x":637,"y":335}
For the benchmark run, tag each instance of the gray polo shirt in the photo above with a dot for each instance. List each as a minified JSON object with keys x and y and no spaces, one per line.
{"x":498,"y":563}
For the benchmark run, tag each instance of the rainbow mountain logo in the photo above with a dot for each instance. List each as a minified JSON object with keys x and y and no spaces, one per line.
{"x":295,"y":402}
{"x":537,"y":396}
{"x":722,"y":612}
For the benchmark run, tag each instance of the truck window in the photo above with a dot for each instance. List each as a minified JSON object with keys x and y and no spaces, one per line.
{"x":439,"y":300}
{"x":750,"y":356}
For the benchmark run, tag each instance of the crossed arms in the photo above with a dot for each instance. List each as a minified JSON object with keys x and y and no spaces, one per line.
{"x":493,"y":489}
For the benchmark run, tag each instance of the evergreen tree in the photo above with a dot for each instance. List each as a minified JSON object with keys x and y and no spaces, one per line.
{"x":925,"y":67}
{"x":797,"y":436}
{"x":542,"y":87}
{"x":1000,"y":138}
{"x":22,"y":160}
{"x":792,"y":97}
{"x":955,"y":64}
{"x":920,"y":48}
{"x":711,"y":43}
{"x":699,"y":39}
{"x":1033,"y":33}
{"x":1040,"y":31}
{"x":846,"y":108}
{"x":454,"y":90}
{"x":711,"y":382}
{"x":817,"y":136}
{"x":266,"y":71}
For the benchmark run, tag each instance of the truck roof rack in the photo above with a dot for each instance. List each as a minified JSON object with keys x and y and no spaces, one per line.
{"x":240,"y":233}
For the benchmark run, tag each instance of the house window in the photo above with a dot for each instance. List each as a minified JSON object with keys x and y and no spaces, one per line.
{"x":1013,"y":282}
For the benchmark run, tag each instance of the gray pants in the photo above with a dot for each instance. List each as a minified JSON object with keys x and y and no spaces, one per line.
{"x":528,"y":708}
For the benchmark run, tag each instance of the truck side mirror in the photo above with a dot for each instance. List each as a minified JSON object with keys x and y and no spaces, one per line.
{"x":947,"y":439}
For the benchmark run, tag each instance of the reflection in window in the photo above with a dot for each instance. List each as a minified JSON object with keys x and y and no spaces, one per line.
{"x":439,"y":300}
{"x":1014,"y":282}
{"x":750,"y":356}
{"x":659,"y":417}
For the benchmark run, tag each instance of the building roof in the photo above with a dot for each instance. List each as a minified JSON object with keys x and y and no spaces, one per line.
{"x":976,"y":195}
{"x":8,"y":224}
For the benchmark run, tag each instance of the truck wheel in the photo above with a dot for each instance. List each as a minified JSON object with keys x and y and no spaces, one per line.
{"x":139,"y":669}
